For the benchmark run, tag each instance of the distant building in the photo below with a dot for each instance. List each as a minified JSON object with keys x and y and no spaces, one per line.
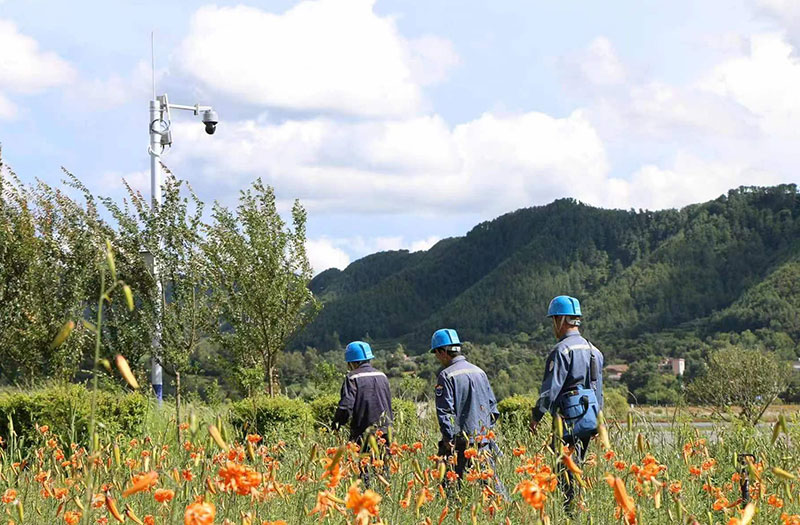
{"x":614,"y":372}
{"x":675,"y":365}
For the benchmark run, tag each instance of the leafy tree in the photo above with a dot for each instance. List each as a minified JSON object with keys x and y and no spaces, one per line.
{"x":48,"y":251}
{"x":260,"y":275}
{"x":746,"y":378}
{"x":647,"y":384}
{"x":171,"y":233}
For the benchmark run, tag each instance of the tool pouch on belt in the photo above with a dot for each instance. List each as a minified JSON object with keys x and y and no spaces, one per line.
{"x":579,"y":410}
{"x":579,"y":407}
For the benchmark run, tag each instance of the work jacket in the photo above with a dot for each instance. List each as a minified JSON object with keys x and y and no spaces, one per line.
{"x":568,"y":368}
{"x":365,"y":400}
{"x":465,"y":403}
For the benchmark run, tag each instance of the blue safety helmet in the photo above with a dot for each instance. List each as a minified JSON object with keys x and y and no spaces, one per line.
{"x":444,"y":337}
{"x":358,"y":351}
{"x":564,"y":305}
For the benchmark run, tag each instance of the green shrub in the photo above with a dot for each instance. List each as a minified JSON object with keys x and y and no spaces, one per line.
{"x":66,"y":409}
{"x":517,"y":406}
{"x":271,"y":415}
{"x":323,"y":408}
{"x":405,"y":412}
{"x":515,"y":411}
{"x":615,"y":404}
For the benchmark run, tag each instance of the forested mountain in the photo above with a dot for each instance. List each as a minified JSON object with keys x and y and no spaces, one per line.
{"x":669,"y":277}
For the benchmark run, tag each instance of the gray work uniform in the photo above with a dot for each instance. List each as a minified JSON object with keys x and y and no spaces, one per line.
{"x":566,"y":369}
{"x":465,"y":403}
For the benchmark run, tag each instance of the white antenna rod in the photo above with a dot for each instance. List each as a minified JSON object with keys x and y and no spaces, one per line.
{"x":153,"y":60}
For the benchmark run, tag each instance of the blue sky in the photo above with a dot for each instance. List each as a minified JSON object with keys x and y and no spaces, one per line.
{"x":398,"y":123}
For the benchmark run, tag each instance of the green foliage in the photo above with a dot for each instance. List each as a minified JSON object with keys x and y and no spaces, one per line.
{"x":263,"y":414}
{"x":515,"y":411}
{"x":323,"y":409}
{"x":645,"y":278}
{"x":736,"y":377}
{"x":409,"y":387}
{"x":326,"y":377}
{"x":66,"y":410}
{"x":680,"y":283}
{"x":649,"y":385}
{"x":405,"y":411}
{"x":515,"y":405}
{"x":259,"y":273}
{"x":212,"y":393}
{"x":48,"y":253}
{"x":171,"y":233}
{"x":615,"y":404}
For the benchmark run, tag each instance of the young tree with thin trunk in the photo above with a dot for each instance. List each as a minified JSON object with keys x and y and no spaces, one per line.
{"x":172,"y":233}
{"x":260,"y":275}
{"x":749,"y":379}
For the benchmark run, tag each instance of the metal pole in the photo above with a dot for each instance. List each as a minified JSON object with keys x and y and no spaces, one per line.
{"x":156,"y":115}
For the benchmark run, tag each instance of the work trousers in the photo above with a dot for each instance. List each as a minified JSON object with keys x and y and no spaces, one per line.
{"x":568,"y":481}
{"x":368,"y":472}
{"x":489,"y":448}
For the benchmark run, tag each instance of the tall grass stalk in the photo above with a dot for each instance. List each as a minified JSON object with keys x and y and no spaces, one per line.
{"x":105,"y":295}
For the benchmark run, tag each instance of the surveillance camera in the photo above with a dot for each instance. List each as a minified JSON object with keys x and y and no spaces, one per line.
{"x":210,"y":119}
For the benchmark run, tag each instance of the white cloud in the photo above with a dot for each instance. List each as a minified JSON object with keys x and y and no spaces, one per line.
{"x":322,"y":254}
{"x":424,"y":244}
{"x":786,"y":13}
{"x":766,"y":81}
{"x":488,"y":165}
{"x":687,"y":181}
{"x":24,"y":68}
{"x":431,"y":59}
{"x":327,"y":55}
{"x":325,"y":252}
{"x":625,"y":106}
{"x":751,"y":93}
{"x":114,"y":181}
{"x":596,"y":67}
{"x":600,"y":65}
{"x":662,"y":110}
{"x":101,"y":94}
{"x":7,"y":108}
{"x":360,"y":246}
{"x":731,"y":126}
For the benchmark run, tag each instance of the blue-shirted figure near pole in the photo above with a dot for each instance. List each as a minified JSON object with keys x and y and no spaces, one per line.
{"x":465,"y":404}
{"x":366,"y":399}
{"x":573,"y":382}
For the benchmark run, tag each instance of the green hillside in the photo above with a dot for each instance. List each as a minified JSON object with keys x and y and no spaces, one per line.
{"x":728,"y":265}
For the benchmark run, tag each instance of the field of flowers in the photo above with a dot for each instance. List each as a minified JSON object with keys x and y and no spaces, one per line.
{"x":641,"y":474}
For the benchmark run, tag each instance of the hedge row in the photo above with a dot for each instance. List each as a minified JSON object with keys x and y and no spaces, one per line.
{"x":262,"y":414}
{"x":518,"y":408}
{"x":66,"y":409}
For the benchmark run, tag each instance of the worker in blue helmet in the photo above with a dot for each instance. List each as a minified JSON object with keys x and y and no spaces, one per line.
{"x":366,"y":399}
{"x":573,"y":381}
{"x":465,"y":404}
